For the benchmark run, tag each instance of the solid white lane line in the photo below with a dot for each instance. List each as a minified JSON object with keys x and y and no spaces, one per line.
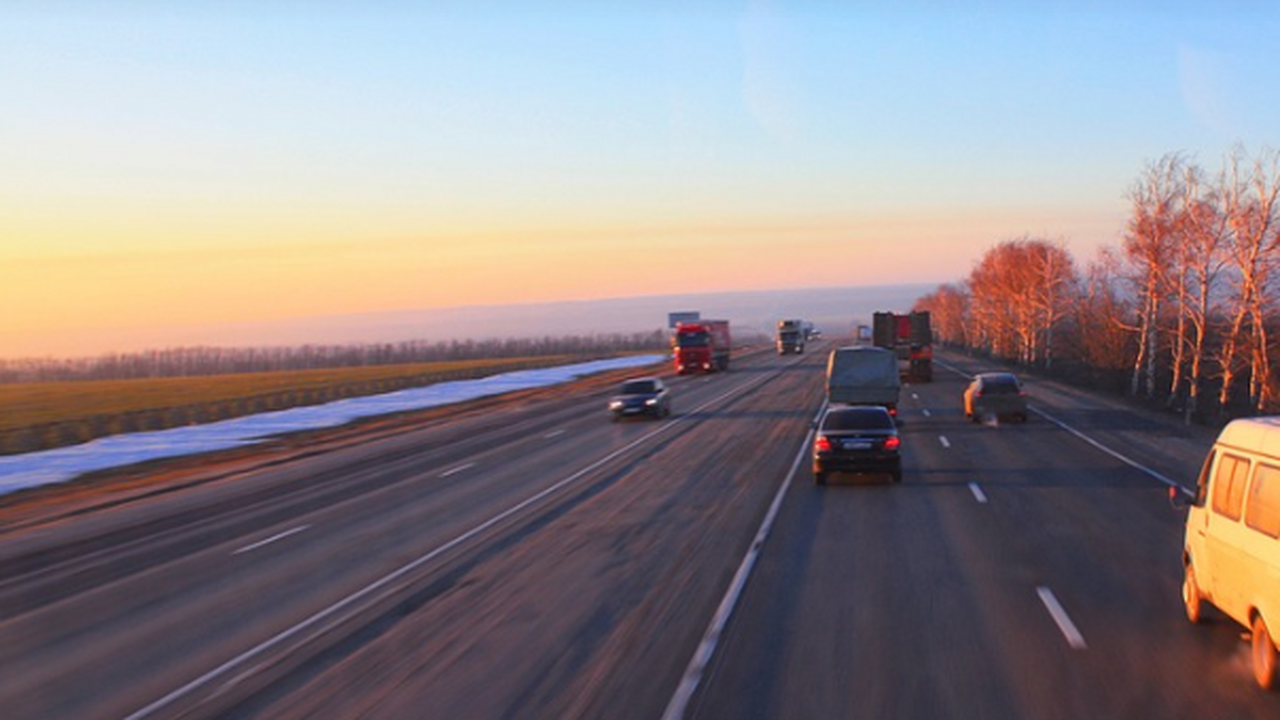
{"x":273,"y":538}
{"x":945,"y":442}
{"x":455,"y":471}
{"x":331,"y":613}
{"x":1068,"y":628}
{"x":711,"y":638}
{"x":1128,"y":461}
{"x":977,"y":492}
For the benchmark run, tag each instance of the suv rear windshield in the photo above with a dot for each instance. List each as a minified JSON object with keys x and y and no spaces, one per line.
{"x":857,"y":419}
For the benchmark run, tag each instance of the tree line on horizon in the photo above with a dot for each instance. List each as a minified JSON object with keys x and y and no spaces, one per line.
{"x":200,"y":361}
{"x":1183,"y":312}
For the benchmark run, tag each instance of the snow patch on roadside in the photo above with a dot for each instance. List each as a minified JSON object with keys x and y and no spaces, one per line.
{"x":18,"y":472}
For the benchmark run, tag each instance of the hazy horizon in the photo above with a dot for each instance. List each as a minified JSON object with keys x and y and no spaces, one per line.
{"x":835,"y":310}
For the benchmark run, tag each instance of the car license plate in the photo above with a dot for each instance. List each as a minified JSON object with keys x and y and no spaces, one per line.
{"x":857,"y":445}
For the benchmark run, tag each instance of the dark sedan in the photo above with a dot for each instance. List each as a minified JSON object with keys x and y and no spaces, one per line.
{"x":641,"y":396}
{"x":857,"y":439}
{"x":995,"y":395}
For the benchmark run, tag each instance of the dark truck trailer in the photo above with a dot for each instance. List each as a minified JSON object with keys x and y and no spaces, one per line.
{"x":910,"y":336}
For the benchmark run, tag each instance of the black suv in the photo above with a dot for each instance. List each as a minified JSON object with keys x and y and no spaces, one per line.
{"x":858,"y":439}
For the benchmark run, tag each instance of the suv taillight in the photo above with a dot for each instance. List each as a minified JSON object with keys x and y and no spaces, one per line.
{"x":892,"y":442}
{"x":822,"y":444}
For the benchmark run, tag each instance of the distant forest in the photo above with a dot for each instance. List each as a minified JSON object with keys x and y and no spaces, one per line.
{"x":204,"y":361}
{"x":1185,"y":313}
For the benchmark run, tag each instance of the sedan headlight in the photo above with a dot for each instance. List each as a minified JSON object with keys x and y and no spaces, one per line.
{"x":651,"y":402}
{"x":615,"y":404}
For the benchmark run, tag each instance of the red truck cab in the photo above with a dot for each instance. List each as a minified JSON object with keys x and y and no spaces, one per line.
{"x":701,"y":346}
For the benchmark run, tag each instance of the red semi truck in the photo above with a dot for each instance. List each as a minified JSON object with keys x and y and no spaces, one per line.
{"x":911,"y":337}
{"x":701,"y":346}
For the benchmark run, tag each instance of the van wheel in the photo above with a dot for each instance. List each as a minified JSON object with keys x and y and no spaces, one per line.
{"x":1264,"y":655}
{"x":1191,"y":596}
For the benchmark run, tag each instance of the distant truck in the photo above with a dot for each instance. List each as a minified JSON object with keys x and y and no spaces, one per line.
{"x":910,"y":337}
{"x":863,"y":375}
{"x":792,"y":335}
{"x":701,"y":346}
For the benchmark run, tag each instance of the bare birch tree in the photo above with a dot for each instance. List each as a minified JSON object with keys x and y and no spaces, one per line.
{"x":1053,"y":281}
{"x":949,"y":310}
{"x":1020,"y":291}
{"x":1149,"y":240}
{"x":1249,"y":202}
{"x":1201,"y":258}
{"x":1104,"y":340}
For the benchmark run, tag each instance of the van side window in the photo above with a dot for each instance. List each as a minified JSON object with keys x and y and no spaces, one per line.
{"x":1264,"y":501}
{"x":1228,"y":486}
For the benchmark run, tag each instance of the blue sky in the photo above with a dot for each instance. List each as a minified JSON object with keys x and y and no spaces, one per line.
{"x":513,"y":153}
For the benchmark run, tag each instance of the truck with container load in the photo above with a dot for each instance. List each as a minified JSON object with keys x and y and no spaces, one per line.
{"x":791,"y":336}
{"x":863,"y":375}
{"x":910,"y":337}
{"x":702,"y":346}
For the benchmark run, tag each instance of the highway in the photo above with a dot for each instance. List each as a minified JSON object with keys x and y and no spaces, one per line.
{"x":536,"y":560}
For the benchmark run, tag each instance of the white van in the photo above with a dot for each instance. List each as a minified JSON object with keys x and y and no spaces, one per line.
{"x":1231,"y":554}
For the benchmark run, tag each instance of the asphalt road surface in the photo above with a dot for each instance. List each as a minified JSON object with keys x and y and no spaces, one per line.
{"x":536,"y":560}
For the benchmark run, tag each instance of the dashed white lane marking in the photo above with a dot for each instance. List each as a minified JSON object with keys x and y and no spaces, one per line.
{"x":914,"y":396}
{"x":977,"y":493}
{"x":945,"y":442}
{"x":1068,"y":628}
{"x":926,"y":412}
{"x":455,"y":471}
{"x":554,"y":433}
{"x":273,"y":538}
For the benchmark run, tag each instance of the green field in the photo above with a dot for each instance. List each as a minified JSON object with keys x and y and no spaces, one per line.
{"x":38,"y":416}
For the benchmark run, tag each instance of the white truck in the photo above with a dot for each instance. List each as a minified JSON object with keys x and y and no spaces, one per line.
{"x":791,"y":336}
{"x":864,"y":375}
